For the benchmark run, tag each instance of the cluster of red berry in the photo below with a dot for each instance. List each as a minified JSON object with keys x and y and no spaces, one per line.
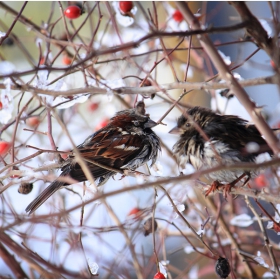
{"x":75,"y":11}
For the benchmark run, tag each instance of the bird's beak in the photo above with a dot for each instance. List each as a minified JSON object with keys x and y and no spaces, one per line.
{"x":176,"y":130}
{"x":150,"y":124}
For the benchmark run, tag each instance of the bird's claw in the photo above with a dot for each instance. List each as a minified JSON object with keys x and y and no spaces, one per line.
{"x":214,"y":186}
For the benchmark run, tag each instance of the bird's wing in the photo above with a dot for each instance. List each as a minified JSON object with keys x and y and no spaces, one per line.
{"x":112,"y":146}
{"x":237,"y":133}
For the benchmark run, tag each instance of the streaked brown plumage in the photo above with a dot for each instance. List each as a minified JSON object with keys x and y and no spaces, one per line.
{"x":126,"y":143}
{"x":228,"y":135}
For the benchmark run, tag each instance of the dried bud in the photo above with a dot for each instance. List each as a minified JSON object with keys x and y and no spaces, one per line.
{"x":8,"y":42}
{"x":148,"y":226}
{"x":147,"y":83}
{"x":15,"y":168}
{"x":25,"y":188}
{"x":222,"y":267}
{"x":226,"y":93}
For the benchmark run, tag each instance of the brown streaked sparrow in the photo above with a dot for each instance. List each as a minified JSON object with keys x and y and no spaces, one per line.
{"x":125,"y":143}
{"x":229,"y":140}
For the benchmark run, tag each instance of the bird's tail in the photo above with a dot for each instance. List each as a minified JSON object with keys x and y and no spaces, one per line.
{"x":51,"y":189}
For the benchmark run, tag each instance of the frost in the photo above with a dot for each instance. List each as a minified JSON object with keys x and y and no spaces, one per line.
{"x":180,"y":207}
{"x":269,"y":225}
{"x":123,"y":19}
{"x":260,"y":260}
{"x":2,"y":34}
{"x":42,"y":79}
{"x":268,"y":275}
{"x":193,"y":273}
{"x":110,"y":95}
{"x":190,"y":70}
{"x":83,"y":55}
{"x":162,"y":267}
{"x":165,"y":263}
{"x":60,"y":85}
{"x":134,"y":33}
{"x":200,"y":232}
{"x":38,"y":42}
{"x":108,"y":84}
{"x":228,"y":106}
{"x":7,"y":102}
{"x":235,"y":75}
{"x":93,"y":266}
{"x":188,"y":249}
{"x":225,"y":58}
{"x":242,"y":220}
{"x":189,"y":169}
{"x":223,"y":243}
{"x":263,"y":157}
{"x":81,"y":98}
{"x":6,"y":67}
{"x":140,"y":179}
{"x":113,"y":83}
{"x":267,"y":27}
{"x":277,"y":217}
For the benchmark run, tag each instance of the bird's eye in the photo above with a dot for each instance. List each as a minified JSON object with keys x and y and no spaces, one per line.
{"x":136,"y":123}
{"x":187,"y":124}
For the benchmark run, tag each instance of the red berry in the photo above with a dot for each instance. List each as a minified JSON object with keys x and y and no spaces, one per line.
{"x":261,"y":181}
{"x":125,"y":6}
{"x":273,"y":64}
{"x":136,"y":213}
{"x":159,"y":275}
{"x":4,"y":147}
{"x":93,"y":106}
{"x":177,"y":16}
{"x":147,"y":83}
{"x":42,"y":60}
{"x":33,"y":121}
{"x":1,"y":105}
{"x":66,"y":60}
{"x":102,"y":124}
{"x":276,"y":227}
{"x":73,"y":12}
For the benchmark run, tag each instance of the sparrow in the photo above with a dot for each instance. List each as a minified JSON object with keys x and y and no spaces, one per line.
{"x":125,"y":143}
{"x":226,"y":141}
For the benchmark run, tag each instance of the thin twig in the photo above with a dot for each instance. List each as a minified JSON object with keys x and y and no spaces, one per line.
{"x":265,"y":237}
